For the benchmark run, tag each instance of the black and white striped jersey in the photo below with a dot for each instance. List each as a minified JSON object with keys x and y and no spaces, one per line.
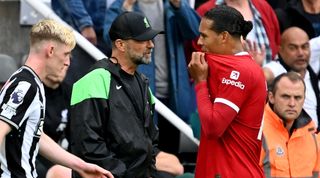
{"x":22,"y":106}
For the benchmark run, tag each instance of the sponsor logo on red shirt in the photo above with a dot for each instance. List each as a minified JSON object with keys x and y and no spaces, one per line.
{"x":232,"y":81}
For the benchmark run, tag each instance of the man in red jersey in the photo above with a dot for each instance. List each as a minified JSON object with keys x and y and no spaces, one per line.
{"x":231,"y":94}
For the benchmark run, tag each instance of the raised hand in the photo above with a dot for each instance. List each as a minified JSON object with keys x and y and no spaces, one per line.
{"x":198,"y":67}
{"x":89,"y":34}
{"x":258,"y":54}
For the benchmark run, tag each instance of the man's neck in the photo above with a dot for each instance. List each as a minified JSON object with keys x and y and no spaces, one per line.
{"x":288,"y":124}
{"x":236,"y":3}
{"x":242,"y":6}
{"x":125,"y":64}
{"x":303,"y":73}
{"x":235,"y":46}
{"x":311,"y":6}
{"x":37,"y":65}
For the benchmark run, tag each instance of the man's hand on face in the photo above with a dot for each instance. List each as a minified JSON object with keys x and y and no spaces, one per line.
{"x":198,"y":67}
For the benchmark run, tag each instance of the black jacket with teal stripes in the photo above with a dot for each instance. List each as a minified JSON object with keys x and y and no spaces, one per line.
{"x":107,"y":126}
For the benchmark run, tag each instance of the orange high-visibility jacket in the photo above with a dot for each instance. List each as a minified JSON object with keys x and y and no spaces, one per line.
{"x":283,"y":155}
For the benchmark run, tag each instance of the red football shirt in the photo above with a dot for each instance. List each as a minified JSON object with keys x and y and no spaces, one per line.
{"x":230,"y":106}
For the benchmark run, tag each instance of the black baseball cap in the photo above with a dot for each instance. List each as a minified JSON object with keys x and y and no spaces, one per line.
{"x":132,"y":25}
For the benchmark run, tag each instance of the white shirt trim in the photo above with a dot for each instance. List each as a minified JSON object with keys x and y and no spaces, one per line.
{"x":242,"y":53}
{"x":228,"y":103}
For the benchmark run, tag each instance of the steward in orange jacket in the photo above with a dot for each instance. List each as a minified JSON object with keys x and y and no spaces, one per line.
{"x":285,"y":155}
{"x":290,"y":146}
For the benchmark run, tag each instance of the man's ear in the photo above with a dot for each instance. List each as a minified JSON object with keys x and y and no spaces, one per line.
{"x":271,"y":97}
{"x":224,"y":36}
{"x":49,"y":49}
{"x":120,"y":44}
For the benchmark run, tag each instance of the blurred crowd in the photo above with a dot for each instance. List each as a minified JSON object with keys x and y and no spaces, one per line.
{"x":285,"y":38}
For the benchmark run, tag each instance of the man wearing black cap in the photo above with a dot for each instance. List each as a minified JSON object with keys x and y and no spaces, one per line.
{"x":112,"y":106}
{"x":167,"y":73}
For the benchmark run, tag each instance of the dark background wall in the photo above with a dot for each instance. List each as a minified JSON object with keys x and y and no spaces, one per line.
{"x":14,"y":40}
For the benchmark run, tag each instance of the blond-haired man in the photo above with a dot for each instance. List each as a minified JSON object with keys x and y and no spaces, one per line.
{"x":22,"y":107}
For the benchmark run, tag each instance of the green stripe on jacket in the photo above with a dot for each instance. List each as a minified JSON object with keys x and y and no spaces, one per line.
{"x":95,"y":84}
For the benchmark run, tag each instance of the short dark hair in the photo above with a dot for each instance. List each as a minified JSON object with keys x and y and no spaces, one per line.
{"x":292,"y":76}
{"x":228,"y":19}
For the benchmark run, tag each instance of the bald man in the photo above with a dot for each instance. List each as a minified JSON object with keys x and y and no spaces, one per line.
{"x":294,"y":55}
